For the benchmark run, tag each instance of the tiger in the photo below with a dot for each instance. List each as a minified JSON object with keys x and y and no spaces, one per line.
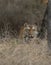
{"x":28,"y":31}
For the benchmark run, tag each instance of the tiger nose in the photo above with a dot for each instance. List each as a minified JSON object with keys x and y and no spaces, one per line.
{"x":30,"y":33}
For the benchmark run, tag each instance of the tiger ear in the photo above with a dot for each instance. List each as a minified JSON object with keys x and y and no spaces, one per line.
{"x":25,"y":24}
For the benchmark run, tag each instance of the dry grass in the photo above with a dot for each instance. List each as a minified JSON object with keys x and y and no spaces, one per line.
{"x":34,"y":53}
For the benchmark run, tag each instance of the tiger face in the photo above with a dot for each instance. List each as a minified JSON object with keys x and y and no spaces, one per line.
{"x":29,"y":31}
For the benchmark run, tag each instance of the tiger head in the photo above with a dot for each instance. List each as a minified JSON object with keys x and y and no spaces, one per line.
{"x":30,"y":31}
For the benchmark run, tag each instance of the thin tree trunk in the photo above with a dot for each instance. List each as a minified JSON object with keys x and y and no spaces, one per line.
{"x":49,"y":25}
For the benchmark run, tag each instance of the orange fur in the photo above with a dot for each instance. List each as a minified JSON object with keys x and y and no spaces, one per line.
{"x":21,"y":32}
{"x":44,"y":1}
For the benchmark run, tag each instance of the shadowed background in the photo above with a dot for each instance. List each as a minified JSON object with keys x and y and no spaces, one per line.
{"x":14,"y":13}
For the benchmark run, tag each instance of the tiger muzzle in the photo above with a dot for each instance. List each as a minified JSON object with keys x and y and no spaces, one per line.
{"x":31,"y":36}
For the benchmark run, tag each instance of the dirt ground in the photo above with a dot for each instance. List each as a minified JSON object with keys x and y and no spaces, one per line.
{"x":33,"y":53}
